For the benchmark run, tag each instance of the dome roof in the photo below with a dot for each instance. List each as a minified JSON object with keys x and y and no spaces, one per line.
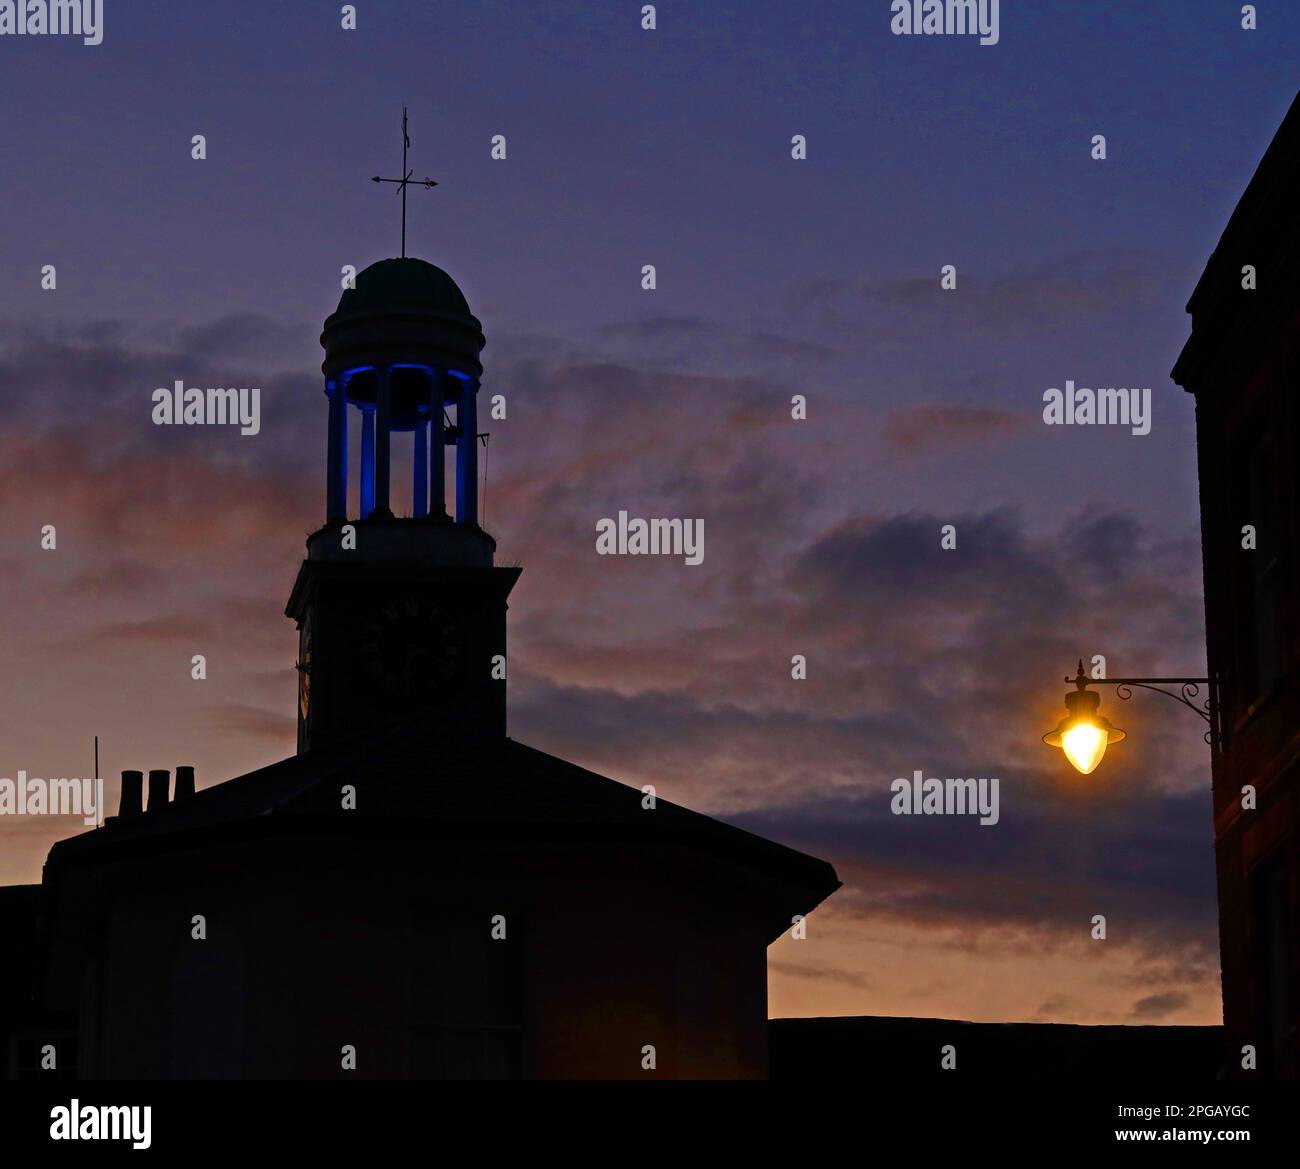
{"x":407,"y":282}
{"x":403,"y":312}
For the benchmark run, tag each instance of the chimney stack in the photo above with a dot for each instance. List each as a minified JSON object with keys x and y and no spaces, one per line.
{"x":132,"y":793}
{"x":184,"y":784}
{"x":158,"y":783}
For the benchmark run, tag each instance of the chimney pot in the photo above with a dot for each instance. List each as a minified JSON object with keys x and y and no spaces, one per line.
{"x":158,"y":783}
{"x":184,"y":783}
{"x":132,"y":793}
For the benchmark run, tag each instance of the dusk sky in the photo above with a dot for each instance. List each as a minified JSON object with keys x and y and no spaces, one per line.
{"x":775,"y":277}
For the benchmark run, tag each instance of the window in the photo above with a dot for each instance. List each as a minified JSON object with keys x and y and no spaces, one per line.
{"x":1273,"y":943}
{"x":26,"y":1057}
{"x":1261,"y":582}
{"x":466,"y":998}
{"x":466,"y":1053}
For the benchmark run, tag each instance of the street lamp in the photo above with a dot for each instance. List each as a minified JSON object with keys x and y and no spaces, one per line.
{"x":1084,"y":735}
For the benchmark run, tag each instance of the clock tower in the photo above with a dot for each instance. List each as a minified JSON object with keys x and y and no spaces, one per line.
{"x":401,"y":616}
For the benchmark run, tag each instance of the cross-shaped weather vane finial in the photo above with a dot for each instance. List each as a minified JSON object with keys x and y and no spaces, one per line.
{"x":405,"y":180}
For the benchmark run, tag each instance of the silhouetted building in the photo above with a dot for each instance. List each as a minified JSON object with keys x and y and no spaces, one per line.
{"x":414,"y":893}
{"x":34,"y":1040}
{"x":886,"y":1050}
{"x":1242,"y":363}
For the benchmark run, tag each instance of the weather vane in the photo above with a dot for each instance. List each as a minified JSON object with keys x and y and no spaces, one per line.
{"x":406,"y":180}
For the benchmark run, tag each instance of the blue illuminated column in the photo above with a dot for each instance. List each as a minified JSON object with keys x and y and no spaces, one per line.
{"x":467,"y":455}
{"x":420,"y":469}
{"x":367,"y":460}
{"x":336,"y":476}
{"x":383,"y":421}
{"x":438,"y":445}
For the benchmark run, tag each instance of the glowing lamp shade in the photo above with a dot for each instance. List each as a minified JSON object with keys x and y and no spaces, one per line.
{"x":1083,"y":734}
{"x":1084,"y":745}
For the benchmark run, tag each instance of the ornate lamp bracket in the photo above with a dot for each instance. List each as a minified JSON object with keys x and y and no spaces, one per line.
{"x":1187,"y":693}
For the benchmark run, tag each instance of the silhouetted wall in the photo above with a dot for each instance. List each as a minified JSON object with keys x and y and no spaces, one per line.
{"x":1243,"y":364}
{"x":892,"y":1050}
{"x":386,"y":945}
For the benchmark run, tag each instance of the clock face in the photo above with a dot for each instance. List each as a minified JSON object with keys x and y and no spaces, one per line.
{"x":304,"y":668}
{"x":411,"y":647}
